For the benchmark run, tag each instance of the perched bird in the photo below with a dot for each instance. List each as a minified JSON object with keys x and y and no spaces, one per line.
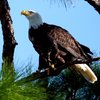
{"x":56,"y":46}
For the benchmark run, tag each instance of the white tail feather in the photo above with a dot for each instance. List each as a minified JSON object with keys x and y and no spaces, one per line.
{"x":85,"y":70}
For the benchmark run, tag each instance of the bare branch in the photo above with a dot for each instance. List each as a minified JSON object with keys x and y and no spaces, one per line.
{"x":9,"y":40}
{"x":95,"y":4}
{"x":8,"y":32}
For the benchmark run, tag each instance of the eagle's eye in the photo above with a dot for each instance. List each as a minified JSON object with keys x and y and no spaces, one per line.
{"x":30,"y":12}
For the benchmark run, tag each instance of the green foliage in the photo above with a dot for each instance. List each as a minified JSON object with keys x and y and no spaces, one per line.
{"x":59,"y":87}
{"x":9,"y":90}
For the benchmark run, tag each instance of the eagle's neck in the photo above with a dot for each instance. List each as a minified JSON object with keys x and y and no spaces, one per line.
{"x":35,"y":23}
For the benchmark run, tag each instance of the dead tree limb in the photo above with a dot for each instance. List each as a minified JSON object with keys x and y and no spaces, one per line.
{"x":8,"y":38}
{"x":95,"y":4}
{"x":51,"y":72}
{"x":7,"y":30}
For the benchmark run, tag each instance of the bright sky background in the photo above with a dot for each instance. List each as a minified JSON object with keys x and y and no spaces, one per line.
{"x":80,"y":19}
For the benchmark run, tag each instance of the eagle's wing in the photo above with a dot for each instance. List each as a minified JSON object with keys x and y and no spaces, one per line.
{"x":64,"y":40}
{"x":67,"y":42}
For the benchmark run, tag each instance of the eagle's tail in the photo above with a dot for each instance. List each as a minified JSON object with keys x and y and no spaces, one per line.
{"x":85,"y":70}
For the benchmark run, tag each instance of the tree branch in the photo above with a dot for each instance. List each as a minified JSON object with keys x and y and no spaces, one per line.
{"x":95,"y":4}
{"x":9,"y":40}
{"x":52,"y":72}
{"x":8,"y":32}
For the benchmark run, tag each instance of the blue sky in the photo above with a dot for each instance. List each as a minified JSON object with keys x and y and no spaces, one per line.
{"x":80,"y":19}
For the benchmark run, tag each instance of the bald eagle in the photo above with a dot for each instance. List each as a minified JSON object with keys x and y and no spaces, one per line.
{"x":56,"y":46}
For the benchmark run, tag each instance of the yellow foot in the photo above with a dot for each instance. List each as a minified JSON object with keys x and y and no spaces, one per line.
{"x":53,"y":66}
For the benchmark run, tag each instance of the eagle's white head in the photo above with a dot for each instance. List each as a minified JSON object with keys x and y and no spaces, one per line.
{"x":34,"y":18}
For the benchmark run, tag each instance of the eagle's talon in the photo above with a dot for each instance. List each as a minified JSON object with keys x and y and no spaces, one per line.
{"x":53,"y":66}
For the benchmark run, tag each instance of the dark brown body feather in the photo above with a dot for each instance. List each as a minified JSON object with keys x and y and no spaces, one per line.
{"x":55,"y":45}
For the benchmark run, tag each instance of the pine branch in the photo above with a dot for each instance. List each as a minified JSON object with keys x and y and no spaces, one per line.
{"x":52,"y":72}
{"x":94,"y":3}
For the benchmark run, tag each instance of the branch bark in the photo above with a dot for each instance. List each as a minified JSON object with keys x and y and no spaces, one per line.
{"x":51,"y":72}
{"x":95,"y":4}
{"x":8,"y":32}
{"x":9,"y":40}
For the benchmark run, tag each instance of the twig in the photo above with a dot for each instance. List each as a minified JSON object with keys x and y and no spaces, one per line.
{"x":84,"y":61}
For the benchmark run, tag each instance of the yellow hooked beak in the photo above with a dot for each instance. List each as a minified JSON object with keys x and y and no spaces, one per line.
{"x":25,"y":12}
